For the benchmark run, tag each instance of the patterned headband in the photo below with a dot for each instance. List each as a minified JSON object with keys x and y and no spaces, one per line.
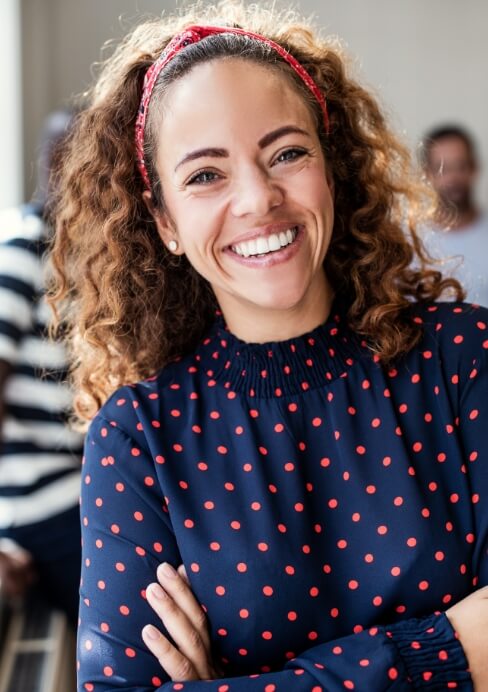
{"x":194,"y":34}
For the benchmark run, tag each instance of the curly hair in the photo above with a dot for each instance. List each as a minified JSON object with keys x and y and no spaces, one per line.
{"x":127,"y":306}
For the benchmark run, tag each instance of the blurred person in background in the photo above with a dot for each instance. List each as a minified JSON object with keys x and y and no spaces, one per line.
{"x":460,"y":230}
{"x":39,"y":455}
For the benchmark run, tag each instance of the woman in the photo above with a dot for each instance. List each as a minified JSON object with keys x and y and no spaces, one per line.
{"x":313,"y":453}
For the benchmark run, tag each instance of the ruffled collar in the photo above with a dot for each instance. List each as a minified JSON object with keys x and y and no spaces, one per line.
{"x":282,"y":368}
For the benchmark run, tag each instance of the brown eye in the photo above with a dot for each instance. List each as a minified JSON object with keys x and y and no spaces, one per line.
{"x":290,"y":155}
{"x":203,"y":178}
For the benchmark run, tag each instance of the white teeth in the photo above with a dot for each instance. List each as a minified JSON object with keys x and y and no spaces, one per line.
{"x":264,"y":245}
{"x":274,"y":242}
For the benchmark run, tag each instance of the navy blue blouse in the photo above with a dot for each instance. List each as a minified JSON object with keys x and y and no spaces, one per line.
{"x":327,"y":510}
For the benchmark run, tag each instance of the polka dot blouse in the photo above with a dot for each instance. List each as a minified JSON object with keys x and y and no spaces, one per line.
{"x":328,"y":510}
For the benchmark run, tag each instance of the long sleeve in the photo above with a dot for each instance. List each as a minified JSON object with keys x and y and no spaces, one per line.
{"x":472,"y":428}
{"x":19,"y":266}
{"x":127,"y":533}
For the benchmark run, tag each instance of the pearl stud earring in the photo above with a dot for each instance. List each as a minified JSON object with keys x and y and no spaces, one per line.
{"x":172,"y":245}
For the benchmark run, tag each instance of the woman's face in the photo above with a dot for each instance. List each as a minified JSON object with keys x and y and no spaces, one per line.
{"x":247,"y":195}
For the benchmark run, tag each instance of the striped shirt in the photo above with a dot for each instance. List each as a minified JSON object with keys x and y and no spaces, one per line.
{"x":39,"y":454}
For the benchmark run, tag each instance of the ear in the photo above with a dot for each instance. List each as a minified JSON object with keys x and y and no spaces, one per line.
{"x":166,"y":230}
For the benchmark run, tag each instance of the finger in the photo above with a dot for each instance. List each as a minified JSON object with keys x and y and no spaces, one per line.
{"x":176,"y":665}
{"x":183,"y":632}
{"x":183,"y":574}
{"x":182,"y":595}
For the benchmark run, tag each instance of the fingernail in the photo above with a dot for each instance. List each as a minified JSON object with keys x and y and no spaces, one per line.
{"x":182,"y":572}
{"x":167,"y":570}
{"x":151,"y":632}
{"x":158,"y":592}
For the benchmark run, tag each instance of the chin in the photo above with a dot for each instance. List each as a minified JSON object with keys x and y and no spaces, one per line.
{"x":276,"y":299}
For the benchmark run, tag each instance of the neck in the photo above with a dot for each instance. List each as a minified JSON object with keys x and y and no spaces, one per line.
{"x":254,"y":324}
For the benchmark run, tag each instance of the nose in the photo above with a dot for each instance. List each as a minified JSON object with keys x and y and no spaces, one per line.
{"x":255,"y":193}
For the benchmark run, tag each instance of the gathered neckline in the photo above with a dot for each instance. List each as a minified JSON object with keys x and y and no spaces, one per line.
{"x":282,"y":368}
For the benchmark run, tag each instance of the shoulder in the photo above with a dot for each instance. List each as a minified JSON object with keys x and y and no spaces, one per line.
{"x":23,"y":242}
{"x":22,"y":229}
{"x":133,"y":408}
{"x":454,"y":330}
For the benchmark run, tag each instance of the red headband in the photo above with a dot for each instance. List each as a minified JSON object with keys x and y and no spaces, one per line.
{"x":194,"y":34}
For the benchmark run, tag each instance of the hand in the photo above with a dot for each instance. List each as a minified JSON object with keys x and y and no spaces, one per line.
{"x":184,"y":619}
{"x":16,"y":572}
{"x":469,"y":618}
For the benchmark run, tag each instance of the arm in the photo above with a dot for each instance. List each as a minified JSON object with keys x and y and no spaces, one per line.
{"x":16,"y":291}
{"x":467,"y":616}
{"x":5,"y":369}
{"x":123,"y":519}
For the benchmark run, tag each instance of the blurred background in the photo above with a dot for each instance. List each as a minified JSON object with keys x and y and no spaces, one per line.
{"x":427,"y":61}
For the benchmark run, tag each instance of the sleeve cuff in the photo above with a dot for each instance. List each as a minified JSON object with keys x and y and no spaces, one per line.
{"x":432,"y":654}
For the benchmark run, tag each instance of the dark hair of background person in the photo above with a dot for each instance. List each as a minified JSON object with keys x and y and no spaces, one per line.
{"x":448,"y":131}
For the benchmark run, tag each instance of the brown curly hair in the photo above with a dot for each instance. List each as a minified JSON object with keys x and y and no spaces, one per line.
{"x":127,"y":306}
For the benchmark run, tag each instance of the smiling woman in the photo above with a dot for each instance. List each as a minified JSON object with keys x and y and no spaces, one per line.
{"x":305,"y":456}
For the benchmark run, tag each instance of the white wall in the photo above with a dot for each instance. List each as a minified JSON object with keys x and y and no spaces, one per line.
{"x":427,"y":60}
{"x":11,"y":173}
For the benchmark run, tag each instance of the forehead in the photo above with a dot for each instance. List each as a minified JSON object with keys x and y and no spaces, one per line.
{"x":449,"y":148}
{"x":229,"y":98}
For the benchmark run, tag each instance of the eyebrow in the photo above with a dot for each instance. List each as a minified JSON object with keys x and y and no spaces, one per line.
{"x":223,"y":153}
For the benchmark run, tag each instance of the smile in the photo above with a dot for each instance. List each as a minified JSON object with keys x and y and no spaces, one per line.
{"x":265,"y":245}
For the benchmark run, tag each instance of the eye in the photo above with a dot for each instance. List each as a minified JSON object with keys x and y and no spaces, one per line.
{"x":290,"y":155}
{"x":203,"y":178}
